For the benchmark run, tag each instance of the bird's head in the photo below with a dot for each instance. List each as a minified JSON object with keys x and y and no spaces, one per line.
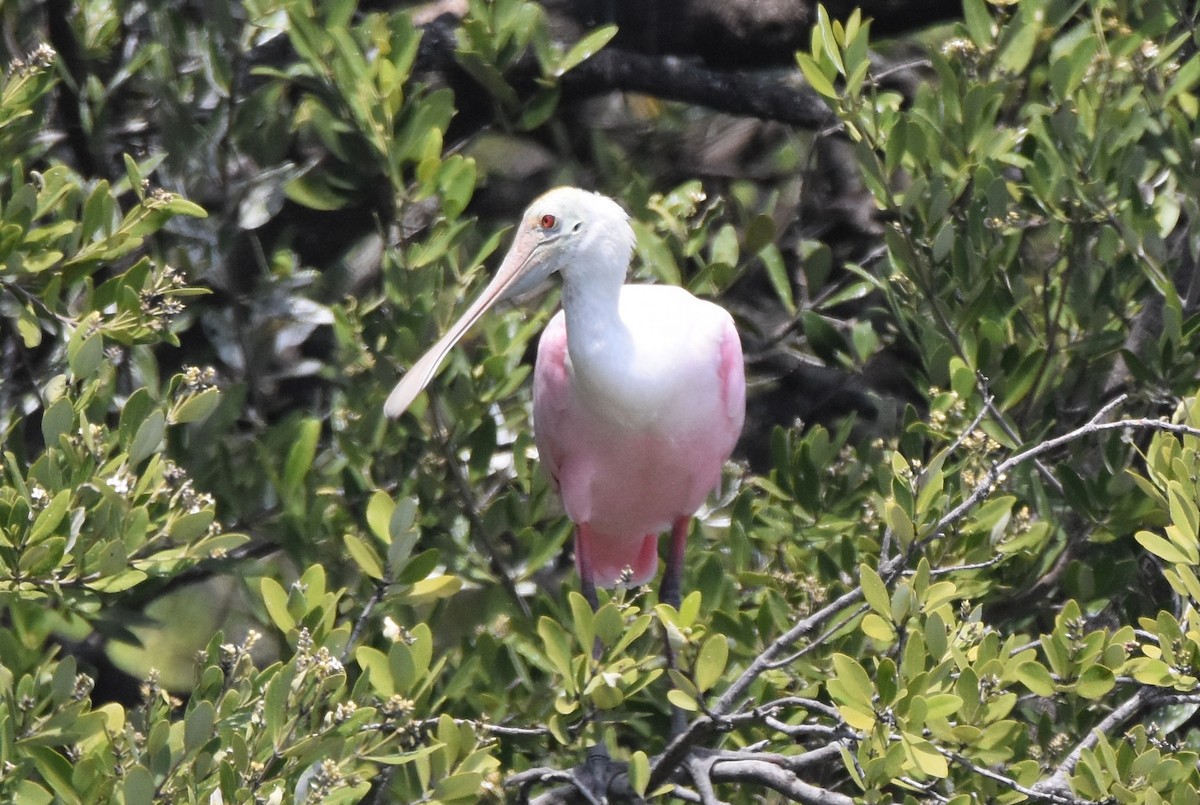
{"x":567,"y":230}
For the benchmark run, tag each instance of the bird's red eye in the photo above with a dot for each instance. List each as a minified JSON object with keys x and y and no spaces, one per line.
{"x":548,"y":221}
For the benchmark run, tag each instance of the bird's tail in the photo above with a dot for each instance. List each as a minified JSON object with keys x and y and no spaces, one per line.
{"x":617,"y":560}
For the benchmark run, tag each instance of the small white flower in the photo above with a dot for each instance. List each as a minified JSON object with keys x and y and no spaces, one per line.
{"x":391,"y":629}
{"x":120,"y":482}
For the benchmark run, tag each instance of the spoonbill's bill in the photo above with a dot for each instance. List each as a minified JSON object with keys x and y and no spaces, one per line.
{"x":638,"y":392}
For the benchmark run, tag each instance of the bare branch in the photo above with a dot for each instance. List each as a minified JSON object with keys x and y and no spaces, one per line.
{"x":1059,"y":784}
{"x":1093,"y":425}
{"x":1007,"y":782}
{"x":793,"y":763}
{"x":763,"y":661}
{"x":675,"y":79}
{"x":766,"y":774}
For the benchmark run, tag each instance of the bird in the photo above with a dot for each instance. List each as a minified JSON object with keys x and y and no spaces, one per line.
{"x":639,"y":390}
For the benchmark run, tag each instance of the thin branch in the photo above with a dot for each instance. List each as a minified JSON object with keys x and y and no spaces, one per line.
{"x":763,"y":661}
{"x":1092,"y":426}
{"x":701,"y":771}
{"x":759,"y":772}
{"x":1059,"y":782}
{"x":793,"y":763}
{"x":1007,"y":782}
{"x":820,"y":640}
{"x":471,"y":509}
{"x":361,"y":621}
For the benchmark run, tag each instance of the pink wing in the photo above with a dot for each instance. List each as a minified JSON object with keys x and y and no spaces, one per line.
{"x":551,"y":394}
{"x":732,"y":371}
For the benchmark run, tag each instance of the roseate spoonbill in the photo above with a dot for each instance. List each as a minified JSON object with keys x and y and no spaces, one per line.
{"x":638,"y":392}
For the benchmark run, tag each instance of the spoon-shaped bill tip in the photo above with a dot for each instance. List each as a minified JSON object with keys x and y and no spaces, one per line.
{"x":413,"y":383}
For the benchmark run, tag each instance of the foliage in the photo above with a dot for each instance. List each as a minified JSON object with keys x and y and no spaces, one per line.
{"x":991,"y":597}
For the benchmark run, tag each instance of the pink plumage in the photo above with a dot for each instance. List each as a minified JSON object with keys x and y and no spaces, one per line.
{"x":625,"y":477}
{"x":639,"y":390}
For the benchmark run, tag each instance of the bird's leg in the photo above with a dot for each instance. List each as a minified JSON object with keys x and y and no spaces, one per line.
{"x":583,"y":562}
{"x":587,"y":577}
{"x":669,"y":593}
{"x":672,"y":583}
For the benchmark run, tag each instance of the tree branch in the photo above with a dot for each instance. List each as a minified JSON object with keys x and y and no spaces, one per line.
{"x":1059,"y":783}
{"x":1093,"y":425}
{"x":674,"y":79}
{"x":760,"y":772}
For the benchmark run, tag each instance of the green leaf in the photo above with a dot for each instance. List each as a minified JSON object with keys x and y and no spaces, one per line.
{"x":431,"y":589}
{"x":198,"y":406}
{"x":978,"y":22}
{"x":723,"y":247}
{"x":585,"y":48}
{"x":942,"y":705}
{"x":1021,"y":38}
{"x":609,"y":624}
{"x":926,"y":756}
{"x":139,"y":786}
{"x":378,"y":666}
{"x":777,"y":274}
{"x":314,"y":191}
{"x":1034,"y":676}
{"x":456,"y":181}
{"x":275,"y":598}
{"x":86,"y":356}
{"x":1161,"y":548}
{"x":49,"y":518}
{"x":463,"y":785}
{"x":27,"y":792}
{"x":815,"y":76}
{"x":878,"y":628}
{"x":583,"y":619}
{"x":198,"y":726}
{"x":1184,"y":79}
{"x":299,"y":460}
{"x":379,"y":515}
{"x":557,"y":648}
{"x":874,"y":590}
{"x":29,"y":327}
{"x":191,"y":525}
{"x":1095,"y":682}
{"x":897,"y":520}
{"x":55,"y":770}
{"x":148,"y":438}
{"x":639,"y":772}
{"x":851,"y":683}
{"x":58,"y":420}
{"x":682,"y":700}
{"x":364,"y":556}
{"x":710,"y":663}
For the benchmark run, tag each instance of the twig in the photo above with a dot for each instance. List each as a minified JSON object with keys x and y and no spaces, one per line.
{"x":1092,"y":426}
{"x":1007,"y":782}
{"x":820,"y":640}
{"x":1059,"y":782}
{"x":780,"y":644}
{"x":471,"y":506}
{"x":361,"y":621}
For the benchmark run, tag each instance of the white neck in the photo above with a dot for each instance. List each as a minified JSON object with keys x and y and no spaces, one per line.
{"x":597,"y":340}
